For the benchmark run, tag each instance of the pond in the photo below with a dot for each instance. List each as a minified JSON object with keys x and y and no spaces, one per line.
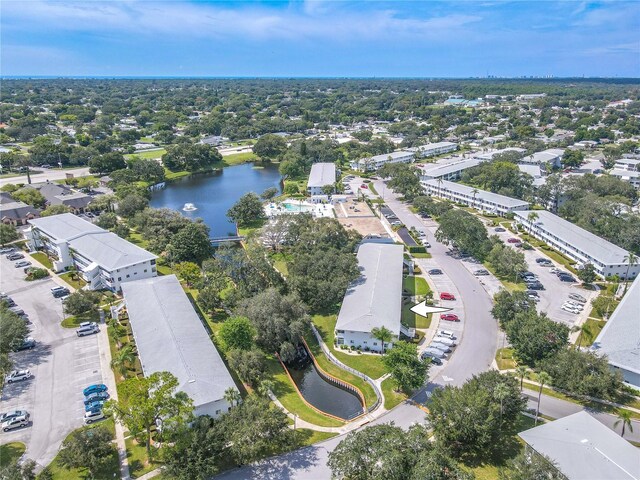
{"x":213,"y":194}
{"x":324,"y":395}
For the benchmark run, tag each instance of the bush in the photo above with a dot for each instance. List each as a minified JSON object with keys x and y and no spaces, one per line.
{"x":417,"y":249}
{"x":36,"y":274}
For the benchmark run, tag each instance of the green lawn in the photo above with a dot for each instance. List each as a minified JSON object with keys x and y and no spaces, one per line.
{"x":391,"y":397}
{"x":76,"y":282}
{"x":591,"y":330}
{"x":10,"y":452}
{"x":112,"y":470}
{"x":137,"y":457}
{"x":421,"y":255}
{"x":415,"y":285}
{"x":309,"y":437}
{"x":508,"y":283}
{"x":75,"y":321}
{"x":145,"y":154}
{"x":42,"y":259}
{"x":238,"y":158}
{"x":412,"y":320}
{"x":370,"y":365}
{"x":504,"y":359}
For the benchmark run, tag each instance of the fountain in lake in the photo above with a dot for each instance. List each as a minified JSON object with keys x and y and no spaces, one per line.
{"x":189,"y":207}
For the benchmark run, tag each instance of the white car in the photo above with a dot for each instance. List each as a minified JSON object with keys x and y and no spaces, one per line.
{"x":16,"y":422}
{"x":93,"y":416}
{"x":445,"y":341}
{"x":18,"y":376}
{"x":575,"y":304}
{"x":570,"y":309}
{"x":555,"y":270}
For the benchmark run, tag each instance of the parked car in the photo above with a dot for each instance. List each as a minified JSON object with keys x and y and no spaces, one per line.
{"x":447,"y":296}
{"x":93,"y":416}
{"x":364,"y":185}
{"x":499,"y":229}
{"x":57,"y":289}
{"x":577,"y":305}
{"x":577,"y":297}
{"x":18,"y":376}
{"x":435,"y":271}
{"x":13,"y":414}
{"x":535,"y":286}
{"x":94,"y":406}
{"x":555,"y":270}
{"x":565,"y":277}
{"x":481,"y":272}
{"x":445,"y":341}
{"x":27,"y":344}
{"x":570,"y":309}
{"x":532,"y":292}
{"x":447,"y":333}
{"x":440,"y":346}
{"x":6,"y":250}
{"x":434,"y":360}
{"x":87,"y":328}
{"x":15,"y":256}
{"x":95,"y":397}
{"x":450,"y":317}
{"x":513,"y":240}
{"x":9,"y":302}
{"x":16,"y":422}
{"x":433,"y":352}
{"x":17,"y":310}
{"x":61,"y":293}
{"x":540,"y":260}
{"x":535,"y":298}
{"x":95,"y":388}
{"x":396,"y":223}
{"x":22,"y":263}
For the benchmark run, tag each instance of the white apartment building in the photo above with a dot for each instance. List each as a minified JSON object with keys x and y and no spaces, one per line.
{"x":447,"y":170}
{"x":374,"y":300}
{"x":630,"y":164}
{"x":321,"y":176}
{"x":433,"y":149}
{"x":170,"y":337}
{"x":578,"y":244}
{"x":630,"y":176}
{"x":377,"y":161}
{"x":489,"y":155}
{"x":479,"y":199}
{"x":103,"y":259}
{"x":551,"y":156}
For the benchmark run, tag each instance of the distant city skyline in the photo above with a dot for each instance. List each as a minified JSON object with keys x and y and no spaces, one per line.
{"x":320,"y":39}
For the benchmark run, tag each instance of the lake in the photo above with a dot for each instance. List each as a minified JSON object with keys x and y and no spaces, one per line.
{"x":215,"y":193}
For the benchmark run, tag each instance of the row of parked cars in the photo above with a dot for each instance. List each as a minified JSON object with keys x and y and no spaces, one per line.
{"x":13,"y":255}
{"x":440,"y":346}
{"x":575,"y":304}
{"x":94,"y":398}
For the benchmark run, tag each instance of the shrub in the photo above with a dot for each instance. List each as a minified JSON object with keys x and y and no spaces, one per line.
{"x":417,"y":249}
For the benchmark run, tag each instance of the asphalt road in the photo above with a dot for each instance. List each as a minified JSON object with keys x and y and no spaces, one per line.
{"x":47,"y":174}
{"x":61,"y":364}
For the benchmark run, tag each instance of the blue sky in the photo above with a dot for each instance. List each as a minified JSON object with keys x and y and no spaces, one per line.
{"x":320,"y":38}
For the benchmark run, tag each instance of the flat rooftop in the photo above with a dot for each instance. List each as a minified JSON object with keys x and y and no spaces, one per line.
{"x":170,"y":337}
{"x":436,"y":170}
{"x":480,"y":194}
{"x":322,"y":174}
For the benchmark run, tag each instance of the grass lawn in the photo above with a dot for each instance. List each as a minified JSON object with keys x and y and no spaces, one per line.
{"x":509,"y":284}
{"x":238,"y":158}
{"x":504,"y":359}
{"x":43,"y":259}
{"x":146,"y":154}
{"x":112,"y":470}
{"x":74,"y":321}
{"x":169,"y":175}
{"x":10,"y":452}
{"x":309,"y":437}
{"x":290,"y":399}
{"x":391,"y":397}
{"x":412,"y":320}
{"x":591,"y":329}
{"x":370,"y":365}
{"x":280,"y":263}
{"x":251,"y":227}
{"x":415,"y":285}
{"x":421,"y":255}
{"x":138,"y":461}
{"x":76,"y":283}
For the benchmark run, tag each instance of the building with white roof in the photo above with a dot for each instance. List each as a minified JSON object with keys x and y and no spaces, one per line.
{"x":493,"y":153}
{"x":377,"y":161}
{"x":632,"y":164}
{"x":582,"y":448}
{"x":322,"y":175}
{"x":170,"y":337}
{"x":373,"y":300}
{"x":480,"y":199}
{"x":629,"y":176}
{"x":551,"y":156}
{"x":102,"y":258}
{"x":619,"y":340}
{"x":576,"y":243}
{"x":433,"y":149}
{"x":447,"y":170}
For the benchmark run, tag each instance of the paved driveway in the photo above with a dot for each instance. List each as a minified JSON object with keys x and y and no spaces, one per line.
{"x":62,"y":364}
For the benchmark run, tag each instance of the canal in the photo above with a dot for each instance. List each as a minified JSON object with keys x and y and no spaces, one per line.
{"x":324,"y":395}
{"x":213,"y":194}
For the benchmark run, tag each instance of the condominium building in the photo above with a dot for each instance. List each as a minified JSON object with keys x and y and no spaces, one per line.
{"x":322,"y":175}
{"x":377,"y":161}
{"x":170,"y":337}
{"x":480,"y":199}
{"x":447,"y":170}
{"x":551,"y":157}
{"x":103,"y":259}
{"x":433,"y":149}
{"x":576,"y":243}
{"x":629,"y":176}
{"x":632,"y":164}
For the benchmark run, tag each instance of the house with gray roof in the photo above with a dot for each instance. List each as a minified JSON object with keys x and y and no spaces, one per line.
{"x":374,"y":299}
{"x":551,"y":157}
{"x":58,"y":194}
{"x":582,"y":448}
{"x":619,"y":340}
{"x":322,"y":174}
{"x":103,"y":259}
{"x":170,"y":337}
{"x":16,"y":213}
{"x":577,"y":243}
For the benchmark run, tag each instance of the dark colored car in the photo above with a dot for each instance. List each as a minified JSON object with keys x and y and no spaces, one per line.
{"x":96,"y":388}
{"x":500,"y":229}
{"x":535,"y":286}
{"x":61,"y":293}
{"x":435,"y":271}
{"x":532,"y":292}
{"x":451,"y":317}
{"x":447,"y":296}
{"x":567,"y":278}
{"x":513,"y":240}
{"x":27,"y":344}
{"x":96,"y":397}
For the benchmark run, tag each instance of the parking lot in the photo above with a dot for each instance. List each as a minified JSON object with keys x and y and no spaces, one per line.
{"x":61,"y":364}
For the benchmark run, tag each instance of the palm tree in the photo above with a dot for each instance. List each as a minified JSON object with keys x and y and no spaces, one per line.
{"x":439,"y":180}
{"x":232,"y":396}
{"x":115,"y":333}
{"x":624,"y":418}
{"x":532,"y":217}
{"x":474,"y":192}
{"x":265,"y":387}
{"x":501,"y":393}
{"x":543,"y":378}
{"x":383,"y":334}
{"x":579,"y":328}
{"x":631,"y":259}
{"x":125,"y":357}
{"x":521,"y":371}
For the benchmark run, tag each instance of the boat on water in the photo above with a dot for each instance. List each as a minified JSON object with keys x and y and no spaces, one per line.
{"x":189,"y":207}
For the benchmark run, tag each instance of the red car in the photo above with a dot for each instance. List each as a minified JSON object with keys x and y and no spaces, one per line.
{"x":364,"y":185}
{"x":447,"y":296}
{"x":452,"y":317}
{"x":514,"y":240}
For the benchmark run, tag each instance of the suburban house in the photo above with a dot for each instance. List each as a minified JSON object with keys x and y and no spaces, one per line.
{"x":473,"y":197}
{"x":576,"y":243}
{"x":15,"y":213}
{"x":551,"y":157}
{"x":433,"y":149}
{"x":170,"y":337}
{"x":57,"y":194}
{"x":373,"y":300}
{"x":582,"y":448}
{"x":619,"y":340}
{"x":377,"y":161}
{"x":322,"y":175}
{"x":102,"y":258}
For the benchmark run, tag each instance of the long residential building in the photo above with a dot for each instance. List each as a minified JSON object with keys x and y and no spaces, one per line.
{"x":578,"y":244}
{"x":479,"y":199}
{"x":619,"y":340}
{"x":629,"y":176}
{"x":373,"y":300}
{"x":102,"y":258}
{"x":322,"y":175}
{"x":377,"y":161}
{"x":433,"y":149}
{"x":447,"y":170}
{"x":170,"y":337}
